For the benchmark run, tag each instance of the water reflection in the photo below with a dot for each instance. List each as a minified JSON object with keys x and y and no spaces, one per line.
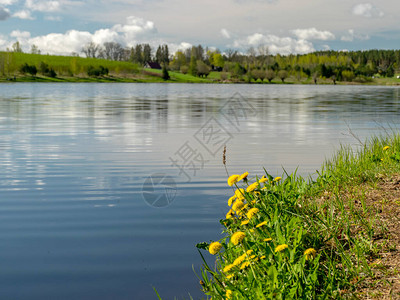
{"x":74,"y":158}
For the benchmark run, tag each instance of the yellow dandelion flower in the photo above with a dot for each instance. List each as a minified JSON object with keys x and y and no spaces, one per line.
{"x":228,"y":268}
{"x":248,"y":252}
{"x":253,"y":202}
{"x":237,"y":237}
{"x":239,"y":260}
{"x":230,"y":276}
{"x":239,"y":193}
{"x":228,"y":294}
{"x":257,"y":193}
{"x":229,"y":215}
{"x":263,"y":257}
{"x":267,"y":240}
{"x":262,"y":180}
{"x":385,"y":148}
{"x":277,"y":178}
{"x":243,"y":176}
{"x":233,"y":179}
{"x":245,"y":222}
{"x":252,"y":187}
{"x":231,"y":200}
{"x":281,"y":248}
{"x":262,"y":224}
{"x":310,"y":253}
{"x":251,"y":230}
{"x":252,"y":257}
{"x":252,"y":212}
{"x":257,"y":259}
{"x":214,"y":248}
{"x":238,"y":205}
{"x":244,"y":265}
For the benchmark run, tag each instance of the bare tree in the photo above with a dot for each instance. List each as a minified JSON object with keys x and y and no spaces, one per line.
{"x":35,"y":49}
{"x":113,"y":51}
{"x":17,"y":47}
{"x":263,"y":53}
{"x":91,"y":50}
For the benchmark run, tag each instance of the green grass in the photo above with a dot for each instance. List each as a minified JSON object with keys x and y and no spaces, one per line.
{"x":69,"y":65}
{"x":290,"y":217}
{"x":179,"y":77}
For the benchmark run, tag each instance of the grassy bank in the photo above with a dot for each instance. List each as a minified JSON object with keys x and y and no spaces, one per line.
{"x":334,"y":237}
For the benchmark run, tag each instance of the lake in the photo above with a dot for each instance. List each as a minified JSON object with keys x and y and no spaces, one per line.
{"x":106,"y":188}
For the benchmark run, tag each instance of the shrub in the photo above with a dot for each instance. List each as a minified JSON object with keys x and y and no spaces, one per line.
{"x":184,"y":69}
{"x":46,"y":71}
{"x":25,"y":68}
{"x":99,"y":71}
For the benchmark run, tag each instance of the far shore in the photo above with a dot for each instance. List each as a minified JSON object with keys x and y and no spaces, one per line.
{"x":153,"y":76}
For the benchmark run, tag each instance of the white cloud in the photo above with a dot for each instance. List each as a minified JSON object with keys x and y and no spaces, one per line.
{"x":133,"y":28}
{"x":136,"y":30}
{"x":44,"y":6}
{"x":175,"y":47}
{"x":20,"y":34}
{"x":24,"y":14}
{"x":3,"y":41}
{"x":326,"y":47}
{"x":4,"y":14}
{"x":351,"y":35}
{"x":53,"y":18}
{"x":7,"y":2}
{"x":367,"y":10}
{"x":275,"y":44}
{"x":225,"y":33}
{"x":313,"y":34}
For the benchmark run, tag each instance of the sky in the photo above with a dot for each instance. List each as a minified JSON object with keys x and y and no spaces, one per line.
{"x":63,"y":27}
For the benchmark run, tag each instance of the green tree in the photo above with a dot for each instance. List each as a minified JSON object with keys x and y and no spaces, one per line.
{"x":178,"y":60}
{"x":184,"y":69}
{"x":258,"y":74}
{"x":202,"y":69}
{"x":348,"y":75}
{"x":165,"y":74}
{"x":283,"y":74}
{"x":146,"y":53}
{"x":270,"y":75}
{"x":137,"y":56}
{"x":193,"y":65}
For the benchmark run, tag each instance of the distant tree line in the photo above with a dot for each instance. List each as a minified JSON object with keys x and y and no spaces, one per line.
{"x":256,"y":64}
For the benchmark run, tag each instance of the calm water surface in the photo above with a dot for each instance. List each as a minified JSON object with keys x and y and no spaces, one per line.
{"x":76,"y":160}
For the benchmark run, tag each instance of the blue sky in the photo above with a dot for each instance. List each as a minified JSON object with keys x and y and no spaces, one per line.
{"x":284,"y":26}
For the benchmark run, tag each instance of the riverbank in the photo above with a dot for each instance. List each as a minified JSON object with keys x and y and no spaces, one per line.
{"x":155,"y":76}
{"x":333,"y":237}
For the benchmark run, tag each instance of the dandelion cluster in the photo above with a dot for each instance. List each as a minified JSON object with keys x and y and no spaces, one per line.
{"x":254,"y":249}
